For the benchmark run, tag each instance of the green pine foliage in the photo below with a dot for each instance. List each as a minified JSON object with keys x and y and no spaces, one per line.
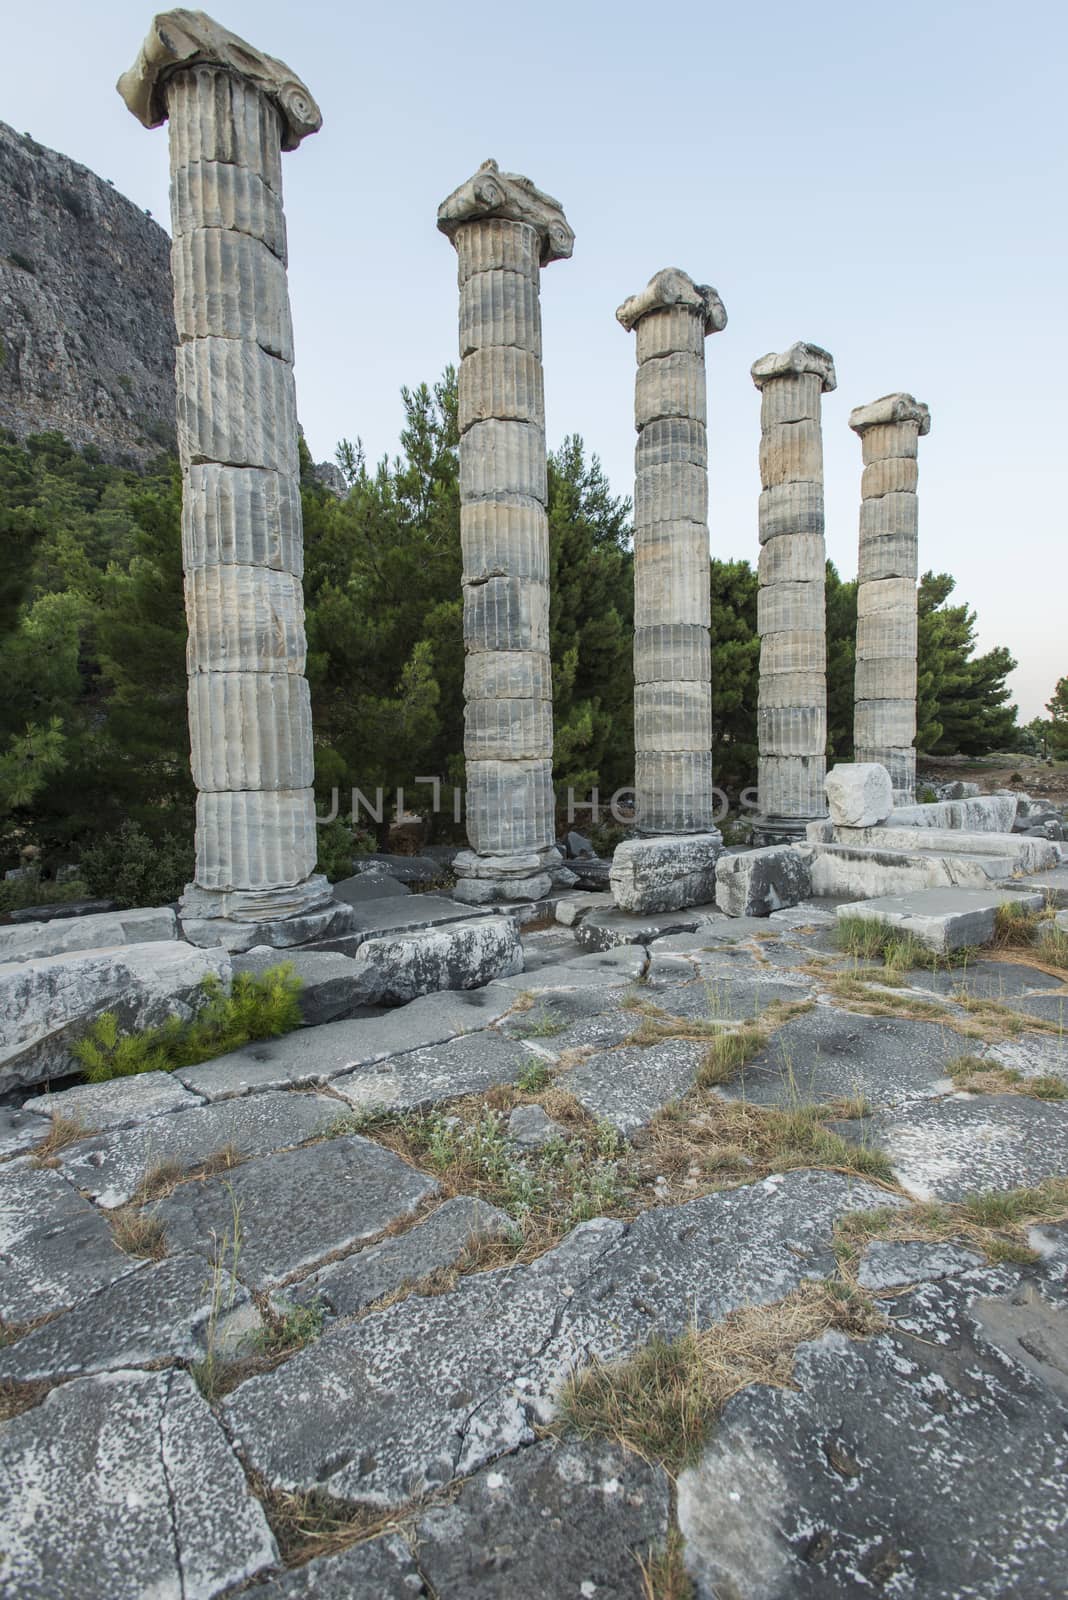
{"x":1054,"y":733}
{"x":259,"y":1006}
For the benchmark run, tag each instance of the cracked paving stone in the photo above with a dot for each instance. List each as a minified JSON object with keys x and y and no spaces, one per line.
{"x":55,"y":1248}
{"x":565,"y":1518}
{"x":626,"y":1088}
{"x":609,"y":969}
{"x":861,"y":1478}
{"x":160,"y":1311}
{"x":731,"y":999}
{"x":347,"y":1286}
{"x":983,"y":980}
{"x":829,"y":1054}
{"x":153,"y":1501}
{"x":424,"y":1078}
{"x":433,"y":1388}
{"x":293,"y":1209}
{"x":312,"y":1056}
{"x":893,"y":1263}
{"x":1033,"y":1054}
{"x":410,"y":1397}
{"x":117,"y":1103}
{"x":20,"y":1130}
{"x":965,"y":1144}
{"x":381,"y":1569}
{"x":110,"y":1167}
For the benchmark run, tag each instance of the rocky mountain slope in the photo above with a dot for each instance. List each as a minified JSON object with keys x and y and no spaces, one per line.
{"x":86,"y":326}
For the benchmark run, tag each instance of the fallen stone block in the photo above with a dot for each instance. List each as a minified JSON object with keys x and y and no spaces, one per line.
{"x":757,"y":882}
{"x":294,"y":1208}
{"x":1026,"y":855}
{"x":151,"y":1498}
{"x":942,"y":919}
{"x":46,"y":1003}
{"x":31,"y":940}
{"x":460,"y":955}
{"x":531,"y":1128}
{"x":393,"y":914}
{"x":859,"y":794}
{"x":991,"y":813}
{"x":665,"y":874}
{"x":611,"y":930}
{"x":855,"y":872}
{"x":364,"y":886}
{"x":573,"y":908}
{"x":328,"y":921}
{"x":403,"y":869}
{"x":348,"y":1286}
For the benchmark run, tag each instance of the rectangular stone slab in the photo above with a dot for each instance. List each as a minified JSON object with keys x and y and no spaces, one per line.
{"x":941,"y":919}
{"x":110,"y":1166}
{"x":294,"y":1208}
{"x":55,"y":1247}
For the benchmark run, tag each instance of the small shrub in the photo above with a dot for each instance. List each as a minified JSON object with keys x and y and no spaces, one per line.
{"x":259,"y":1006}
{"x":534,"y":1077}
{"x":337,"y":846}
{"x":135,"y":870}
{"x":33,"y":890}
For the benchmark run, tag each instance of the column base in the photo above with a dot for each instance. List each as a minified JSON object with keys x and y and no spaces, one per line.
{"x":666,"y":874}
{"x":781,"y":830}
{"x":524,"y":875}
{"x":240,"y":919}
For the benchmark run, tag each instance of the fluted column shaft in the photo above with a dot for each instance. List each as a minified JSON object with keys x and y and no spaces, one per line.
{"x":508,"y":719}
{"x":884,"y":713}
{"x":792,"y":705}
{"x":671,"y":319}
{"x":242,"y":540}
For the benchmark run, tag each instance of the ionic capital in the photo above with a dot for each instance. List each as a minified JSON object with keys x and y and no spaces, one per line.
{"x":669,"y":288}
{"x":181,"y":38}
{"x":512,"y":198}
{"x":799,"y":359}
{"x":891,"y":408}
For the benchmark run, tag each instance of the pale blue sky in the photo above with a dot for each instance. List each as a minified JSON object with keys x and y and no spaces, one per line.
{"x":884,"y":180}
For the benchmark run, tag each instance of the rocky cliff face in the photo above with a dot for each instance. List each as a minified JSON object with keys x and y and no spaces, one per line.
{"x":86,"y":324}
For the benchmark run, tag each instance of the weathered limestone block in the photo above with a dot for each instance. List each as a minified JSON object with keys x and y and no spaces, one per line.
{"x":507,"y":615}
{"x":244,"y":619}
{"x":501,"y":457}
{"x":507,"y":803}
{"x":792,"y":736}
{"x":672,"y":705}
{"x":244,"y":518}
{"x":25,"y":941}
{"x":507,"y":730}
{"x":46,"y":1001}
{"x":232,"y":111}
{"x":216,"y":194}
{"x":993,"y":813}
{"x":231,"y":285}
{"x":236,"y":405}
{"x":885,"y":688}
{"x":665,"y":874}
{"x":508,"y":675}
{"x":859,"y":794}
{"x":501,"y":381}
{"x":504,"y":539}
{"x":460,"y":955}
{"x":757,"y":882}
{"x":499,"y":309}
{"x":941,"y":918}
{"x":250,"y":730}
{"x":793,"y":508}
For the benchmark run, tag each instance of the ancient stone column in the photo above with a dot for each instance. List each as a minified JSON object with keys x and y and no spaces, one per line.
{"x":792,"y":706}
{"x":671,"y":317}
{"x":505,"y":231}
{"x":231,"y":112}
{"x":884,"y":713}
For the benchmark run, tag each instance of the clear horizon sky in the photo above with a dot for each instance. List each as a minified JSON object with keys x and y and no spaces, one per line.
{"x":885,"y":181}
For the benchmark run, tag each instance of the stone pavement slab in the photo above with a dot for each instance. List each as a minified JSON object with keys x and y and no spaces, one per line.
{"x":626,"y":1088}
{"x":121,"y":1487}
{"x":861,"y":1478}
{"x":964,"y":1144}
{"x":110,"y":1167}
{"x":606,"y":968}
{"x":20,"y":1130}
{"x":315,"y":1055}
{"x":829,"y":1054}
{"x":940,"y":918}
{"x":983,"y":979}
{"x":292,"y":1209}
{"x":433,"y":1388}
{"x":892,"y":1263}
{"x":425,"y":1078}
{"x":26,"y":940}
{"x":347,"y":1286}
{"x":381,"y":1569}
{"x":395,"y":914}
{"x":607,"y":930}
{"x":568,"y":1517}
{"x":55,"y":1248}
{"x":160,"y":1311}
{"x":1035,"y":1055}
{"x":116,"y":1103}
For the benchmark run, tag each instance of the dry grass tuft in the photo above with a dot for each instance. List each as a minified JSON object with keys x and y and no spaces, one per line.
{"x":316,"y":1524}
{"x":15,"y":1398}
{"x":977,"y":1075}
{"x":163,"y":1177}
{"x":995,"y":1222}
{"x":138,"y":1233}
{"x":63,"y":1132}
{"x":664,"y":1575}
{"x":728,"y":1054}
{"x":662,"y":1401}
